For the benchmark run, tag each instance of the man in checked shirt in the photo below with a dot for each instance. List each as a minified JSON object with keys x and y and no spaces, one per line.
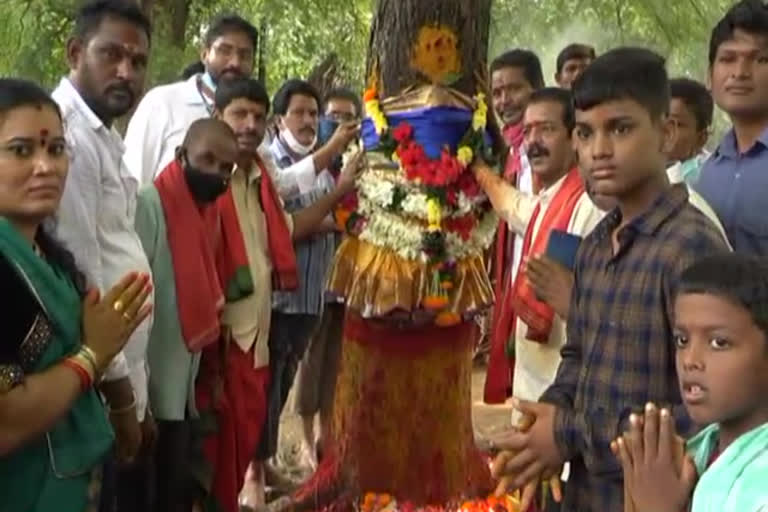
{"x":620,"y":352}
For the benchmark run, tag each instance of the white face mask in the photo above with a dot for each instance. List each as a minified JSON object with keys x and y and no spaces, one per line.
{"x":296,"y":146}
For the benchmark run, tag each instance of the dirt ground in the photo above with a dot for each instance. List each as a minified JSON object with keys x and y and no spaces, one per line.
{"x":487,"y":420}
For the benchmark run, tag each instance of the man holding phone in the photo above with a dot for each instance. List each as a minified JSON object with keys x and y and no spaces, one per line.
{"x":303,"y":176}
{"x":551,"y":224}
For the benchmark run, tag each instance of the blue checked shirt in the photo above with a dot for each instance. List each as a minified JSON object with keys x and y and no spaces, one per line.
{"x":314,"y":254}
{"x":619,"y":352}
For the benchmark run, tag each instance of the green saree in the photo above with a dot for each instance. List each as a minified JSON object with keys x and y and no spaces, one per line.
{"x":53,"y":471}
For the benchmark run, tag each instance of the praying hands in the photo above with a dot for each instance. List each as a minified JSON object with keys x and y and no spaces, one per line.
{"x":658,"y":475}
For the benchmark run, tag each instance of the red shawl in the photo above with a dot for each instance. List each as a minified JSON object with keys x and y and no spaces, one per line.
{"x":502,"y":265}
{"x":191,"y":233}
{"x":233,"y":266}
{"x":519,"y":299}
{"x":536,"y":314}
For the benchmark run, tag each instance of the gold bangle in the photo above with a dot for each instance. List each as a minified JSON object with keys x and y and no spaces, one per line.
{"x":88,"y":353}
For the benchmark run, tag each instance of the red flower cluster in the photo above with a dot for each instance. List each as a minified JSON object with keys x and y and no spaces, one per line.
{"x":349,"y":202}
{"x":462,"y":226}
{"x":419,"y":167}
{"x":468,"y":184}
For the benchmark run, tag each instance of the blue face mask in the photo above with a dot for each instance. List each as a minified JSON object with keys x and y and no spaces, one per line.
{"x":326,"y":129}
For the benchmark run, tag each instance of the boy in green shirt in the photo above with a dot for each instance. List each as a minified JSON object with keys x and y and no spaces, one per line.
{"x":721,"y":333}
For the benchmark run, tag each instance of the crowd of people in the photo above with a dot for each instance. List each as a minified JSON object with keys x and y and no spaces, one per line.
{"x":164,"y":290}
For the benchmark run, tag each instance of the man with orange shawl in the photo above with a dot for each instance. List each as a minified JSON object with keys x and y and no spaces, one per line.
{"x":257,"y":253}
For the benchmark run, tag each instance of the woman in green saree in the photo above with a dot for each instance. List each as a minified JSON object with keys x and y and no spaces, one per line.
{"x":57,"y":339}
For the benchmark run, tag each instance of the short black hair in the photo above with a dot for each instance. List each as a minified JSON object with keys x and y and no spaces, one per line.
{"x":557,"y":95}
{"x":574,"y":51}
{"x":696,"y":97}
{"x":747,"y":15}
{"x":289,"y":89}
{"x":738,"y":277}
{"x":226,"y":24}
{"x":16,"y":93}
{"x":625,"y":73}
{"x":341,"y":93}
{"x":523,"y":59}
{"x":89,"y":17}
{"x":237,"y":88}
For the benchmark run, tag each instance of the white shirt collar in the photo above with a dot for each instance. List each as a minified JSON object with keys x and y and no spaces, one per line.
{"x":546,"y":194}
{"x":192,"y":95}
{"x":73,"y":97}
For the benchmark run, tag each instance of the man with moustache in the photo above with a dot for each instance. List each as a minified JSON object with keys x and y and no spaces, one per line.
{"x":268,"y":233}
{"x":166,"y":112}
{"x":515,"y":75}
{"x":296,"y":314}
{"x":107,"y":58}
{"x":561,"y":204}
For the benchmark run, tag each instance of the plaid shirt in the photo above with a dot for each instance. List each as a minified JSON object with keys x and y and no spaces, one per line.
{"x":620,"y":353}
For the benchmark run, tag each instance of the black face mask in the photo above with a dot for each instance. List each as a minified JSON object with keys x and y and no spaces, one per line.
{"x":205,"y":187}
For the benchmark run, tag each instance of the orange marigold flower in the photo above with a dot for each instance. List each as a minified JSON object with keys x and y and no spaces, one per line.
{"x":435,"y":302}
{"x":370,"y":94}
{"x":447,"y":319}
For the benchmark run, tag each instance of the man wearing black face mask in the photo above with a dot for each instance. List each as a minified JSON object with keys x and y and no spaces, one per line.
{"x":176,"y":221}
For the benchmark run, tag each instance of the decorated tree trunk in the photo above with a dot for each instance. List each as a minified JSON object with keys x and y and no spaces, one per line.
{"x":411,"y":269}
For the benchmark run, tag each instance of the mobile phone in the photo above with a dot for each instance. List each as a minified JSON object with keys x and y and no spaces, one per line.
{"x":562,"y":247}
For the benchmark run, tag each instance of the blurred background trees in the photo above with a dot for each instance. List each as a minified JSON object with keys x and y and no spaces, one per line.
{"x":328,"y":39}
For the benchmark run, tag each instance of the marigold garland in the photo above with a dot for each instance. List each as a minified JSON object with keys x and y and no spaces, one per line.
{"x":373,"y":502}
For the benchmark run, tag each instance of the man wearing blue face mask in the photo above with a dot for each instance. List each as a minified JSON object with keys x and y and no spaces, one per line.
{"x":304,"y":175}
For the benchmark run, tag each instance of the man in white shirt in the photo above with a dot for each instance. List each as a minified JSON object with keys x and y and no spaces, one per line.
{"x":562,"y":204}
{"x":107,"y":58}
{"x":165,"y":113}
{"x":163,"y":116}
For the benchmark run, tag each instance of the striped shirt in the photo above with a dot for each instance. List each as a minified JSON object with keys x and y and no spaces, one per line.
{"x":314,"y":254}
{"x":620,"y":352}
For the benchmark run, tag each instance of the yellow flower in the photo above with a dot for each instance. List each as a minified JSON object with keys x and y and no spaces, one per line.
{"x":377,"y":116}
{"x":434,"y":214}
{"x":480,"y":116}
{"x":465,"y":155}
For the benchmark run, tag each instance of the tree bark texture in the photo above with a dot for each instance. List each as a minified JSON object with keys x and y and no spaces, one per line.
{"x":396,"y":26}
{"x":402,"y":412}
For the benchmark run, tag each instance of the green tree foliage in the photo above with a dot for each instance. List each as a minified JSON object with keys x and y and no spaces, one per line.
{"x":299,"y":34}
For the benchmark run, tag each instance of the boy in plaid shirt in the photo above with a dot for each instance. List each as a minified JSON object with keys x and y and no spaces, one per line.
{"x":620,"y":352}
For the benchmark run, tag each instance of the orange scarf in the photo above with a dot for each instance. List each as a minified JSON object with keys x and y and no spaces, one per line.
{"x":191,"y":239}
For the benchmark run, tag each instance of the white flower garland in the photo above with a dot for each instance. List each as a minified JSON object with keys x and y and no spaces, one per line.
{"x":380,"y":191}
{"x":404,"y":237}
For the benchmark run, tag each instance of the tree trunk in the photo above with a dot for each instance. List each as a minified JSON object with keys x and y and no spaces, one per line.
{"x":396,"y":27}
{"x":402,"y":411}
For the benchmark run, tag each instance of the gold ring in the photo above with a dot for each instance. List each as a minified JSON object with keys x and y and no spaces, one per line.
{"x":127,"y":317}
{"x":118,"y":306}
